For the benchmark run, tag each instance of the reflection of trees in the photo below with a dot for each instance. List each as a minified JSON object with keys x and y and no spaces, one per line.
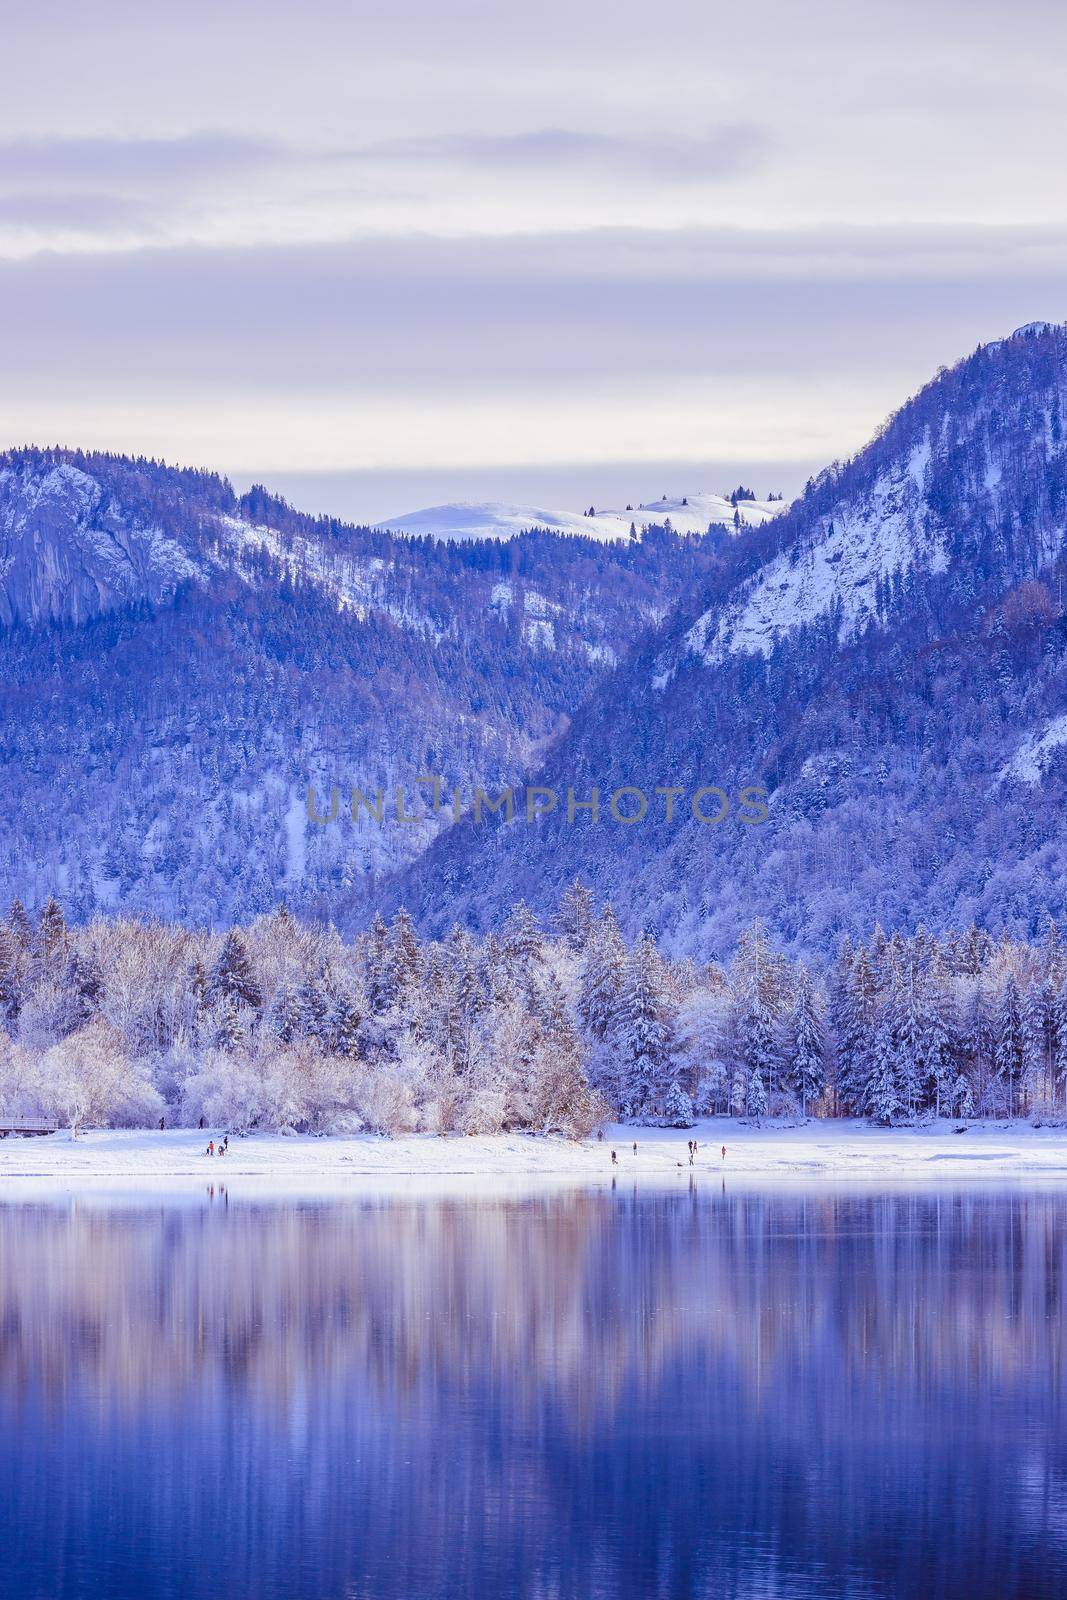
{"x":952,"y":1290}
{"x":650,"y":1375}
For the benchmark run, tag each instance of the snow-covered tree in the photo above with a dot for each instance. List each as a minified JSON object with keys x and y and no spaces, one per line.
{"x":805,"y":1049}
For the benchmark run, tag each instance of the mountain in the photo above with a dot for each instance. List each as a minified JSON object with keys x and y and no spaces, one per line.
{"x":882,"y":665}
{"x":178,"y":665}
{"x":694,"y":513}
{"x":888,"y":660}
{"x":71,"y":546}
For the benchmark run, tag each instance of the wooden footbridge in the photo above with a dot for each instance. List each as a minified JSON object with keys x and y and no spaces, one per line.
{"x":26,"y":1125}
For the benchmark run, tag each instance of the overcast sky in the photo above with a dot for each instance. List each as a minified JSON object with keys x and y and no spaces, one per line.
{"x":490,"y":248}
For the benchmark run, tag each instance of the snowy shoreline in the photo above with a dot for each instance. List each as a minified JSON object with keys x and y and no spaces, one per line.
{"x":131,"y":1163}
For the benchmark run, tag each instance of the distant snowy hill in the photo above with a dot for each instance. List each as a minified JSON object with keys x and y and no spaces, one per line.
{"x":694,"y":513}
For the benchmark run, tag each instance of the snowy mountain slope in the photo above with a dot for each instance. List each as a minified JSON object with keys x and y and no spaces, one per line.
{"x":886,"y":532}
{"x":178,"y":665}
{"x":1031,"y":759}
{"x":888,"y":660}
{"x":936,"y":484}
{"x":693,"y":513}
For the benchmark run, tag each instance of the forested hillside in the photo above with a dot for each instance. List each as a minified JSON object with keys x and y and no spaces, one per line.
{"x":178,"y":665}
{"x":888,"y":658}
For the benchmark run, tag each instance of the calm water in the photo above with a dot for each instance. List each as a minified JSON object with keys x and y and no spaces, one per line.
{"x":800,"y":1394}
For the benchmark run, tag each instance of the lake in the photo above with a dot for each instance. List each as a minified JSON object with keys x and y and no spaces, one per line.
{"x":807,"y":1392}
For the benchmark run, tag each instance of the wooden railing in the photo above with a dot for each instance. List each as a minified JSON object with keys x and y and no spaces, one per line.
{"x":32,"y":1124}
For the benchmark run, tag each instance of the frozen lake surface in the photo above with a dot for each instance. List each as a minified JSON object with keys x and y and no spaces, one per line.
{"x":711,"y":1389}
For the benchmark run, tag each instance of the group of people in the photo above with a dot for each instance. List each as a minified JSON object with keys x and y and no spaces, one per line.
{"x":220,"y":1149}
{"x":691,"y":1145}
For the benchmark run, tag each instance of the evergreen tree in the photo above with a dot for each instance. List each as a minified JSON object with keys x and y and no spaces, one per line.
{"x":757,"y":987}
{"x":576,"y":916}
{"x":232,"y":979}
{"x":1008,"y":1043}
{"x":312,"y":1006}
{"x":230,"y":1029}
{"x":852,"y":1024}
{"x":21,"y":928}
{"x":285,"y":1018}
{"x":1032,"y":1020}
{"x":83,"y":984}
{"x":883,"y":1091}
{"x":522,"y":940}
{"x":1059,"y":1045}
{"x":50,"y":937}
{"x":642,"y":1034}
{"x":805,"y":1047}
{"x":10,"y":975}
{"x":909,"y":1034}
{"x":941,"y":1034}
{"x":601,"y":978}
{"x":344,"y":1025}
{"x":379,"y":969}
{"x":406,"y":957}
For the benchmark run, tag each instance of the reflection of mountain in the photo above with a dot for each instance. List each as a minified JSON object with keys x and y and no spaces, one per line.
{"x":573,"y":1396}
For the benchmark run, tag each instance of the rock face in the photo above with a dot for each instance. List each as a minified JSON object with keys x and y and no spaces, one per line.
{"x":69,"y":551}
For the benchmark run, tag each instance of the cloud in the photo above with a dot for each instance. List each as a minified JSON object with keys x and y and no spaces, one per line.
{"x":132,"y":165}
{"x":725,"y":152}
{"x":103,"y":214}
{"x":220,"y":189}
{"x":432,"y":317}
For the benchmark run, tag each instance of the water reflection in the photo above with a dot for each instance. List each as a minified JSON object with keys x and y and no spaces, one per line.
{"x":801,"y":1394}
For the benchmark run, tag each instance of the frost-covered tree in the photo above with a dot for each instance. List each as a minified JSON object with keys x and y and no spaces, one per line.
{"x":577,"y":915}
{"x":805,"y":1050}
{"x":87,"y":1078}
{"x":642,"y":1036}
{"x":1008,"y":1049}
{"x":602,"y":974}
{"x":232,"y":981}
{"x":883,"y":1089}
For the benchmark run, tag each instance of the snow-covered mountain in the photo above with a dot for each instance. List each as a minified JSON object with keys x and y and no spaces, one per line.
{"x":491,"y":519}
{"x":886,"y":657}
{"x":178,"y":665}
{"x":887,"y":660}
{"x":947,"y":473}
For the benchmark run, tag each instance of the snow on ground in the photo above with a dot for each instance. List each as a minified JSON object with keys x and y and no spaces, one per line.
{"x":1028,"y":763}
{"x":862,"y":542}
{"x":135,"y":1162}
{"x":492,"y":519}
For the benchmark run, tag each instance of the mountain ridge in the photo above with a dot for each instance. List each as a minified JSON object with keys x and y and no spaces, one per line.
{"x":881,"y":733}
{"x":179,"y":665}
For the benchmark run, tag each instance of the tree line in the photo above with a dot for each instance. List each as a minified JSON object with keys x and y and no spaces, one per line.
{"x":282,"y":1024}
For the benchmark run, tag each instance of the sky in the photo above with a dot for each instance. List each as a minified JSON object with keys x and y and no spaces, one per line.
{"x":380,"y":257}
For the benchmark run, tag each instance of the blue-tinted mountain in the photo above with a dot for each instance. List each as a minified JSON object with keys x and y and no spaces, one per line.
{"x":178,"y":663}
{"x":888,"y":659}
